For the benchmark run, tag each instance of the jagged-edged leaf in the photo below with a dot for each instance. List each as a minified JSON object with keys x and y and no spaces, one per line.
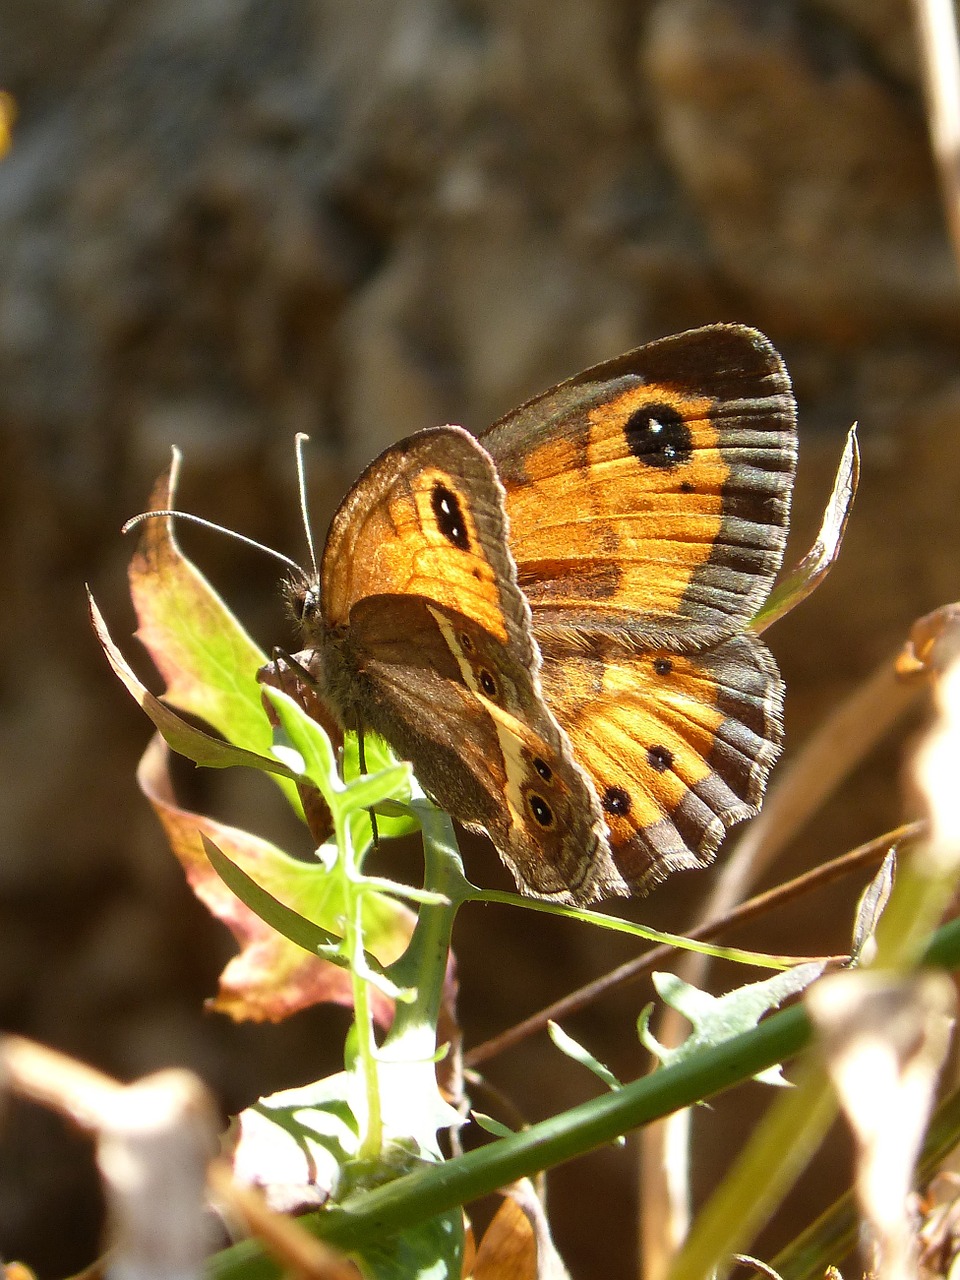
{"x":718,"y":1018}
{"x":272,"y":977}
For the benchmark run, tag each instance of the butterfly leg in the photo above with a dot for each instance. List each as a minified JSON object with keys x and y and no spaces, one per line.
{"x":362,"y":753}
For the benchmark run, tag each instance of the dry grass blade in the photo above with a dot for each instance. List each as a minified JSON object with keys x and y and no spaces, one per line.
{"x":937,"y":29}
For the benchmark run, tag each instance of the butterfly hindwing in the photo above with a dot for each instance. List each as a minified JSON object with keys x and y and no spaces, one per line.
{"x":679,"y":746}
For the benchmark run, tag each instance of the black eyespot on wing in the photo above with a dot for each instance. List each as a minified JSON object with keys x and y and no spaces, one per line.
{"x":662,"y":666}
{"x":544,"y":770}
{"x":541,"y":811}
{"x":449,"y":516}
{"x":487,"y":683}
{"x":658,"y":437}
{"x":659,"y":758}
{"x":466,"y":644}
{"x":686,"y":487}
{"x":616,"y":801}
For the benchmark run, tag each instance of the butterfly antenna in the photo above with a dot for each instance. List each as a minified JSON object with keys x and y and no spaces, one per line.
{"x":301,"y":440}
{"x":217,"y":528}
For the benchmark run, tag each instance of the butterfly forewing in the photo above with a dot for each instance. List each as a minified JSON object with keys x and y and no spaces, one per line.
{"x":651,"y":495}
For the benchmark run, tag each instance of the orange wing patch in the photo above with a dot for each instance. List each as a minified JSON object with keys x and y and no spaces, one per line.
{"x":650,"y":495}
{"x":420,"y":529}
{"x":678,"y":747}
{"x":624,"y":516}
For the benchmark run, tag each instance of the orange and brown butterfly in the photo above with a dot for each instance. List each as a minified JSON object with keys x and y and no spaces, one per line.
{"x":552,"y":622}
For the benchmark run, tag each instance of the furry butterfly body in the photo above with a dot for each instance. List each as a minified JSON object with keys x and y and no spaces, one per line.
{"x":551,"y":621}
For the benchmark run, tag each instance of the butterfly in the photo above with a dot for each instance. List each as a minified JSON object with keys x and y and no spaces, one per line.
{"x":551,"y":621}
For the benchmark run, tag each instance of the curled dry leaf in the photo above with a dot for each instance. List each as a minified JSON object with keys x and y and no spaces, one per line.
{"x":819,"y":560}
{"x":938,"y":1237}
{"x":153,"y":1149}
{"x":870,"y":908}
{"x":933,"y":643}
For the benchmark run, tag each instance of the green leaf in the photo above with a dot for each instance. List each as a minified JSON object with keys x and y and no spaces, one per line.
{"x":431,"y":1251}
{"x":289,"y":924}
{"x":272,"y":977}
{"x":301,"y":1145}
{"x":207,"y":659}
{"x":492,"y":1126}
{"x":716,"y":1019}
{"x":295,"y":1143}
{"x":318,"y":763}
{"x":573,"y":1049}
{"x":393,"y":819}
{"x":182,"y":737}
{"x":303,"y":745}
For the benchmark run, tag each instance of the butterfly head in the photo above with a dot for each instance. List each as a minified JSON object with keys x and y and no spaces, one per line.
{"x":302,"y":594}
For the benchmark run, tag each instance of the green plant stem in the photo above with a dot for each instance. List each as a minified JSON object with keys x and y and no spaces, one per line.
{"x":618,"y":925}
{"x":418,"y":1196}
{"x":423,"y":965}
{"x":371,"y":1137}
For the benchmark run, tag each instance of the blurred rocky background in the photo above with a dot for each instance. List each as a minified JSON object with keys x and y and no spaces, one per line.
{"x":225,"y":222}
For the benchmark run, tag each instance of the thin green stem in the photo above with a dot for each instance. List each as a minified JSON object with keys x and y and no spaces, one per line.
{"x":617,"y":925}
{"x":422,"y":1195}
{"x":371,"y":1135}
{"x":423,"y":965}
